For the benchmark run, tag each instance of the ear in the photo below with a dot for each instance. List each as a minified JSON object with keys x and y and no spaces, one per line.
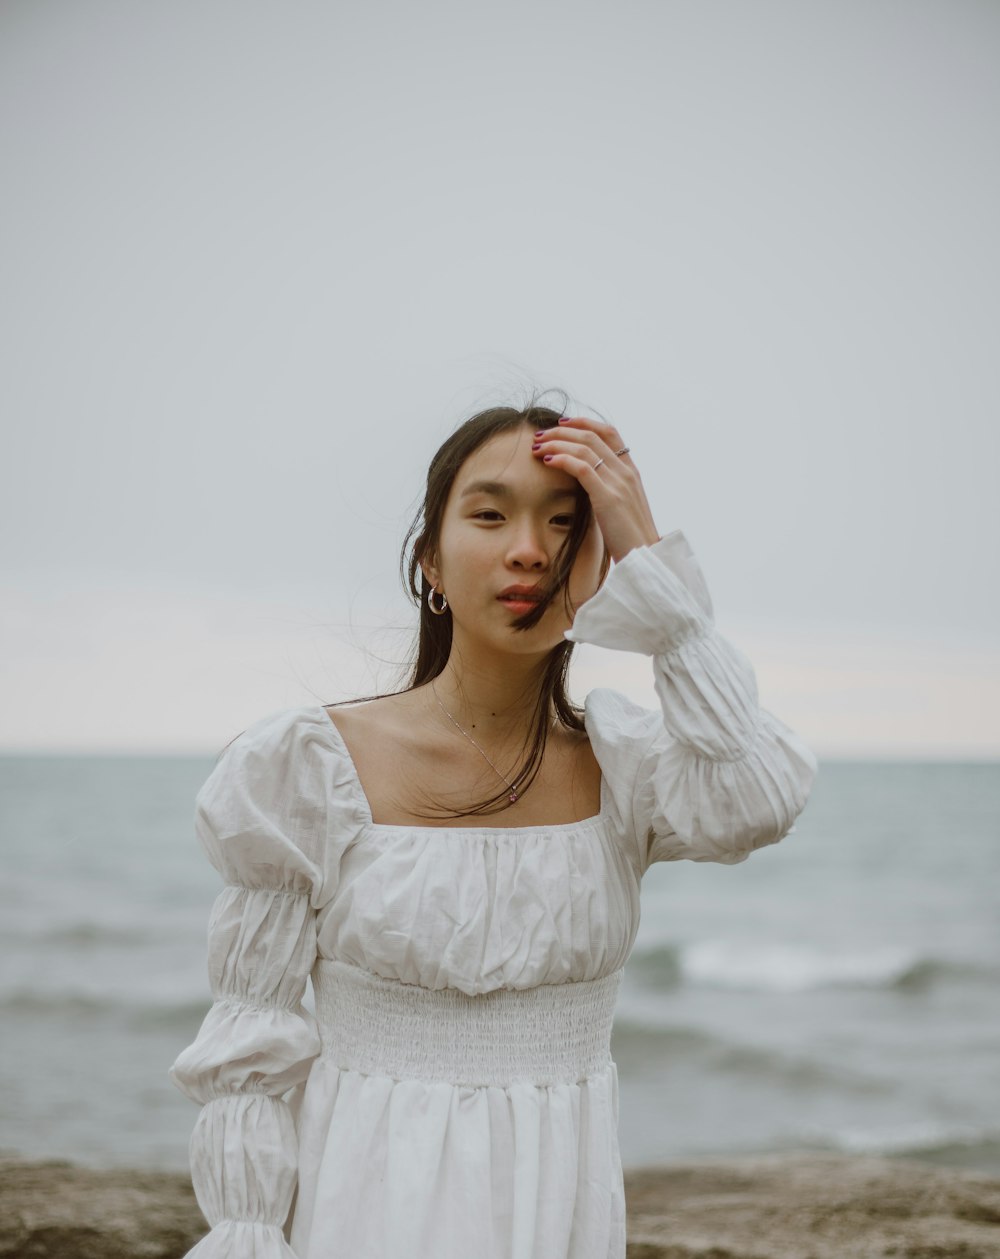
{"x":430,"y":571}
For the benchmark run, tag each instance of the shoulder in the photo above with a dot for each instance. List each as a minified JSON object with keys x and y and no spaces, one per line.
{"x":302,"y":743}
{"x":280,"y":730}
{"x":379,"y":718}
{"x":612,"y":719}
{"x":622,"y":733}
{"x":275,"y":794}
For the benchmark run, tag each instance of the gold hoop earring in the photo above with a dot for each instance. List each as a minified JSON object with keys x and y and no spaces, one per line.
{"x":430,"y":602}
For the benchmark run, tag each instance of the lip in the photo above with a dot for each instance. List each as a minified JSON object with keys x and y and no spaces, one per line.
{"x":520,"y":599}
{"x":529,"y":592}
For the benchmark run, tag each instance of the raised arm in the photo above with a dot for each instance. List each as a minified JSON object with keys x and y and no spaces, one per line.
{"x":712,"y":775}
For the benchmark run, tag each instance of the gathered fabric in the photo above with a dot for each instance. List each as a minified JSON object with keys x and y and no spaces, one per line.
{"x":454,"y":1092}
{"x":382,"y":1027}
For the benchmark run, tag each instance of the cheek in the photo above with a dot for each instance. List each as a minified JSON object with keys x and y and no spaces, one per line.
{"x":462,"y":552}
{"x":467,"y":545}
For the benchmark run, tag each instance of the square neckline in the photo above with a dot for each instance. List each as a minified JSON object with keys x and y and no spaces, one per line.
{"x":371,"y":824}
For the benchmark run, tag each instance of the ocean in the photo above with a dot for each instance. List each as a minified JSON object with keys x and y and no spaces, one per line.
{"x":837,"y":991}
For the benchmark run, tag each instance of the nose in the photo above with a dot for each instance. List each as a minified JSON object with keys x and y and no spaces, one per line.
{"x":526,"y":550}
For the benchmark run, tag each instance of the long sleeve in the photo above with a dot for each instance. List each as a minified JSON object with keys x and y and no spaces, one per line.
{"x":257,"y":816}
{"x":711,"y":776}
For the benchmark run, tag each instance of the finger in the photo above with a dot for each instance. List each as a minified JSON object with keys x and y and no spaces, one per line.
{"x":569,"y":438}
{"x":579,"y":466}
{"x":607,"y":432}
{"x":584,"y":451}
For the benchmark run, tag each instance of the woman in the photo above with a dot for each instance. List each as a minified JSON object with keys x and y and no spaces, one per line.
{"x":457,"y":868}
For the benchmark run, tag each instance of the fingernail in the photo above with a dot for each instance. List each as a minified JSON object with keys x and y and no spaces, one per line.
{"x":564,"y":419}
{"x":546,"y":458}
{"x":539,"y":432}
{"x":537,"y":446}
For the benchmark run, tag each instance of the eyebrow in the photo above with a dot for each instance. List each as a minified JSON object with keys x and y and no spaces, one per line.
{"x":500,"y":490}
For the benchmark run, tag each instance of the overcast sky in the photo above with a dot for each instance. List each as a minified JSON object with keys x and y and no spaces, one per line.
{"x":258,"y":260}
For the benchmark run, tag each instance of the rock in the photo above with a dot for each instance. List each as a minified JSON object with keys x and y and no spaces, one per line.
{"x":788,"y":1206}
{"x":65,"y":1211}
{"x":812,"y":1206}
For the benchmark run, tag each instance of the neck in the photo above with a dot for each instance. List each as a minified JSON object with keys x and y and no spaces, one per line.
{"x":489,"y":702}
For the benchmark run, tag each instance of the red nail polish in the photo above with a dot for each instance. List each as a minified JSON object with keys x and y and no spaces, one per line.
{"x":539,"y":432}
{"x":546,"y":458}
{"x":537,"y":446}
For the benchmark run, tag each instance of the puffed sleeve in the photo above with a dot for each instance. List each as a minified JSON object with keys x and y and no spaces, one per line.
{"x":259,"y":817}
{"x":711,"y":776}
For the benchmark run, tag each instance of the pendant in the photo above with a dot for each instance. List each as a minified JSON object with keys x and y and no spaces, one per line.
{"x":512,"y":797}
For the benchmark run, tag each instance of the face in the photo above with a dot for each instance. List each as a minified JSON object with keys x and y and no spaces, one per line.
{"x":506,"y":517}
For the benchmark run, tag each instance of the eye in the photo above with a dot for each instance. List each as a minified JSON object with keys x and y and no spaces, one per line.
{"x":490,"y":515}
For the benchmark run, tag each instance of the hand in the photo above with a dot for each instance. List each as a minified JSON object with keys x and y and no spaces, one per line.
{"x":615,"y":489}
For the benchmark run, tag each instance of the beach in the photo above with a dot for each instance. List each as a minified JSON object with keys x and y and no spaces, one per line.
{"x":810,"y":1206}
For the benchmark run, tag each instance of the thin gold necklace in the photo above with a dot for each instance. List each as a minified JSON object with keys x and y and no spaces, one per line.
{"x":513,"y":792}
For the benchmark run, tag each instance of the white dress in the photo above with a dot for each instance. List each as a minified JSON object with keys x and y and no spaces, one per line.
{"x":455,"y":1094}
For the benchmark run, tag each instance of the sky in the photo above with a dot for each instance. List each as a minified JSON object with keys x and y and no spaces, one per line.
{"x":259,"y":260}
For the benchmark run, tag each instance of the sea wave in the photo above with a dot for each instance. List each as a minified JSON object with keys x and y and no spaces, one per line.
{"x":658,"y":966}
{"x":638,"y":1045}
{"x":81,"y":935}
{"x":98,"y":1006}
{"x":795,"y":968}
{"x":956,"y":1144}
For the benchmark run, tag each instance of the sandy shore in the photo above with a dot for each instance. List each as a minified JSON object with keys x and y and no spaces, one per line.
{"x":776,"y":1207}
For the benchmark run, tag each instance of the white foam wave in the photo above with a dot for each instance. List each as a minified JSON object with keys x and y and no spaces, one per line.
{"x":914,"y":1138}
{"x":791,"y":968}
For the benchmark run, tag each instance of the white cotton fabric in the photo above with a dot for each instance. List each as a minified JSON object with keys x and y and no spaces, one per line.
{"x":367,"y":1132}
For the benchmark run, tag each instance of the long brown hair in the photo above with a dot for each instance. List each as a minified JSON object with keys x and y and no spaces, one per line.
{"x":433,"y":643}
